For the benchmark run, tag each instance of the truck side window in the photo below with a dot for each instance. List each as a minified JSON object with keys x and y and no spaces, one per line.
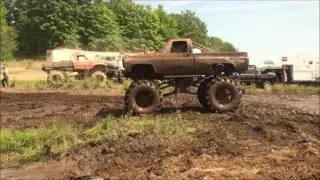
{"x":179,"y":47}
{"x":81,"y":58}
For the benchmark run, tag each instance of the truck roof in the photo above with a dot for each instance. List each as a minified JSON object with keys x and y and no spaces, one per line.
{"x":180,"y":39}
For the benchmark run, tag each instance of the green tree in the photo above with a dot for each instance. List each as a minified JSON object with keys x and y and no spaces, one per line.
{"x":228,"y":47}
{"x":8,"y":36}
{"x":103,"y":25}
{"x":45,"y":24}
{"x":168,"y":25}
{"x":190,"y":26}
{"x":98,"y":29}
{"x":137,"y":23}
{"x":218,"y":45}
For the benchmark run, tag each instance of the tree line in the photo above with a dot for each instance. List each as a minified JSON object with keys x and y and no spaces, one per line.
{"x":30,"y":27}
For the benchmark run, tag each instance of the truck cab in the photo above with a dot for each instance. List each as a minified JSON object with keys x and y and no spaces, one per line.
{"x":81,"y":62}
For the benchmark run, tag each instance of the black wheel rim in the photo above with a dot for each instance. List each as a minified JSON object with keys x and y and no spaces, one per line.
{"x":144,"y":99}
{"x":223,"y":96}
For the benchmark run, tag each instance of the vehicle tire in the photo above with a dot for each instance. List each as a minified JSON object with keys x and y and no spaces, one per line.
{"x":223,"y":95}
{"x":143,"y":97}
{"x":266,"y":84}
{"x":201,"y":91}
{"x":100,"y":76}
{"x":56,"y":76}
{"x":241,"y":92}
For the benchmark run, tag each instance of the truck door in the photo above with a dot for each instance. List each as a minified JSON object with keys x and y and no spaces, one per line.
{"x":179,"y":61}
{"x":82,"y":63}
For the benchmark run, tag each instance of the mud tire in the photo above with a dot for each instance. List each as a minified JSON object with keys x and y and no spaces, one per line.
{"x":201,"y":92}
{"x":56,"y":76}
{"x":136,"y":90}
{"x":214,"y":86}
{"x":99,"y":75}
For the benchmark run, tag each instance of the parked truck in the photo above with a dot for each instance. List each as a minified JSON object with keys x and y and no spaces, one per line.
{"x":259,"y":79}
{"x":177,"y":65}
{"x":81,"y":63}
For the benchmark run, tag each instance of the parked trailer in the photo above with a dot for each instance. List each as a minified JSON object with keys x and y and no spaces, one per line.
{"x":301,"y":68}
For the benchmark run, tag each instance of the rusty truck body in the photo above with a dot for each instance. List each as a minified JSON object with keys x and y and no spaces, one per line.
{"x":182,"y":64}
{"x":177,"y":58}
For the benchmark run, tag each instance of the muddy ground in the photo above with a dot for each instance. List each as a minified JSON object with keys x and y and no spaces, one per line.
{"x":269,"y":137}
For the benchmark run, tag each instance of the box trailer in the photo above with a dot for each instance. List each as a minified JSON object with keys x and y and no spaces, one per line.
{"x":301,"y":68}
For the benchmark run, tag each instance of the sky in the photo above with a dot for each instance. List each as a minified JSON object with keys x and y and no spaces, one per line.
{"x":264,"y":29}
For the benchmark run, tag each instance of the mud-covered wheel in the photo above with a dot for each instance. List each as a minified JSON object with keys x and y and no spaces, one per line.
{"x":223,"y":95}
{"x":143,"y":97}
{"x":56,"y":76}
{"x":241,"y":91}
{"x":201,"y":92}
{"x":99,"y":76}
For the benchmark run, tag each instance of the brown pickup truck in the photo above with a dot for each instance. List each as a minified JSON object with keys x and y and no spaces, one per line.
{"x":177,"y":58}
{"x":182,"y":63}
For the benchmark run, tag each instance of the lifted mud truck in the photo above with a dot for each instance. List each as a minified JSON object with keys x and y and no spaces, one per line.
{"x":77,"y":64}
{"x":181,"y":64}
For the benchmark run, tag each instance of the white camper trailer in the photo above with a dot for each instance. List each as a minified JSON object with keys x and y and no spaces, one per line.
{"x":301,"y":67}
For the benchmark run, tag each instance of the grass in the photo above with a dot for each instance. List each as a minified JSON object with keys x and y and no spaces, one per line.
{"x":43,"y":143}
{"x":70,"y":84}
{"x":23,"y":64}
{"x":40,"y":84}
{"x":171,"y":126}
{"x":281,"y":89}
{"x":295,"y":89}
{"x":35,"y":144}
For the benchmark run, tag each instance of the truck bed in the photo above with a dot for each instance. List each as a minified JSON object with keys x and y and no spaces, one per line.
{"x":62,"y":65}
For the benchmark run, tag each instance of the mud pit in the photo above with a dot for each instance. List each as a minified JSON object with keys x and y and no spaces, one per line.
{"x":269,"y":137}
